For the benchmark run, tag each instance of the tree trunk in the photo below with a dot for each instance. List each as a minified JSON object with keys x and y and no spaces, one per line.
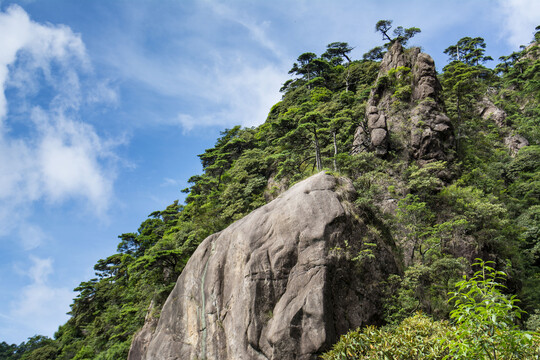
{"x":335,"y":151}
{"x":308,"y":77}
{"x":459,"y":122}
{"x":317,"y":151}
{"x":347,"y":79}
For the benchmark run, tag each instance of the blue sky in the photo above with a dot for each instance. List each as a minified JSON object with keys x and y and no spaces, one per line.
{"x":104,"y":106}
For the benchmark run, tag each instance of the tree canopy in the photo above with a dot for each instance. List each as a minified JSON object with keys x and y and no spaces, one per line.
{"x":469,"y":51}
{"x":400,"y":34}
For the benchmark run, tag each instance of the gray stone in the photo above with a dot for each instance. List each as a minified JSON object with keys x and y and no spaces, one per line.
{"x":430,"y":133}
{"x":372,"y":110}
{"x":488,"y":110}
{"x":378,"y":137}
{"x":441,"y":127}
{"x":514,"y":143}
{"x":272,"y":285}
{"x":376,"y":121}
{"x":141,"y":340}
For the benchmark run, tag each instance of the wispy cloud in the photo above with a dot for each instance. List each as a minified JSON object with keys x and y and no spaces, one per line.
{"x":46,"y":152}
{"x":40,"y":307}
{"x":170,"y":182}
{"x":519,"y":18}
{"x":242,"y":97}
{"x":225,"y":70}
{"x":31,"y":236}
{"x":257,"y":30}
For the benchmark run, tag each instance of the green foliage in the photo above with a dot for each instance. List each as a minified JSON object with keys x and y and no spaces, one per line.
{"x":422,"y":287}
{"x":520,"y":97}
{"x":485,"y":328}
{"x":417,"y":337}
{"x":85,"y":353}
{"x":524,"y":175}
{"x":425,"y":181}
{"x":485,"y":217}
{"x":469,"y":51}
{"x":7,"y":351}
{"x":464,"y":85}
{"x":336,"y":51}
{"x":377,"y":53}
{"x":486,"y":320}
{"x":400,"y":34}
{"x":37,"y":347}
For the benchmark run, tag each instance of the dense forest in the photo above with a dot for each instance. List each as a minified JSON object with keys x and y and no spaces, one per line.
{"x":468,"y":226}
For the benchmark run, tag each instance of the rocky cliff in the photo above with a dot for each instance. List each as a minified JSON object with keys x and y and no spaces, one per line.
{"x":282,"y":283}
{"x":405,"y":112}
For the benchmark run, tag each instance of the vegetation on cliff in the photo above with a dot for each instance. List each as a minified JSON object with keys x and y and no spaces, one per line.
{"x":442,"y":215}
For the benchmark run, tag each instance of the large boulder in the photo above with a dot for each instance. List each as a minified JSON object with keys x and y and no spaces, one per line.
{"x":282,"y":283}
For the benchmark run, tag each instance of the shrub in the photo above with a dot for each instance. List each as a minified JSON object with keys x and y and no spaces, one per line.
{"x":417,"y":337}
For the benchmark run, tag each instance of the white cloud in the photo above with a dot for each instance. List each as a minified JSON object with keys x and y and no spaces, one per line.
{"x":31,"y":236}
{"x":103,"y":92}
{"x":41,"y":307}
{"x":68,"y":160}
{"x":243,"y":96}
{"x":226,"y":69}
{"x":46,"y":152}
{"x":36,"y":46}
{"x":519,"y":18}
{"x":250,"y":93}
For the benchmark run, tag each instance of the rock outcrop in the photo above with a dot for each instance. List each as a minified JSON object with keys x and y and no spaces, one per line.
{"x":488,"y":111}
{"x":405,"y":112}
{"x":282,"y":283}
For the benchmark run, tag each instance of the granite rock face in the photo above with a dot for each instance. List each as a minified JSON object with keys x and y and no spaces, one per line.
{"x":514,"y":143}
{"x":406,"y":102}
{"x":488,"y":111}
{"x":280,"y":283}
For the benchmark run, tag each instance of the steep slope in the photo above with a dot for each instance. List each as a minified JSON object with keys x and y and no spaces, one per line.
{"x":278,"y":284}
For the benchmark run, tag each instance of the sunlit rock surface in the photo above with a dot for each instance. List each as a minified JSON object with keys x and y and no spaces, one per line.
{"x":280,"y":283}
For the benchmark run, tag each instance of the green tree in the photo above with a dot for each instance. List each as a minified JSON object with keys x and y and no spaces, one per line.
{"x":469,"y":51}
{"x":337,"y":50}
{"x":8,"y":352}
{"x":304,"y":67}
{"x":310,"y":128}
{"x":507,"y":62}
{"x":400,"y":34}
{"x":418,"y":218}
{"x":463,"y":86}
{"x":375,"y":54}
{"x":334,"y":126}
